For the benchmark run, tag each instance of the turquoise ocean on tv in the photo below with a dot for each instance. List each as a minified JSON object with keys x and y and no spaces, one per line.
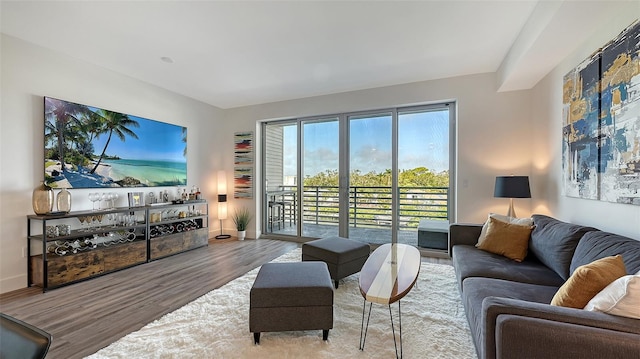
{"x":149,"y":172}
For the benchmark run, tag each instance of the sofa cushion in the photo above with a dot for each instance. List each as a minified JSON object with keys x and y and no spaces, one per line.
{"x":500,"y":217}
{"x":587,"y":281}
{"x":477,"y":289}
{"x":554,"y":242}
{"x":599,"y":244}
{"x":622,"y":297}
{"x":506,"y":239}
{"x":469,"y":261}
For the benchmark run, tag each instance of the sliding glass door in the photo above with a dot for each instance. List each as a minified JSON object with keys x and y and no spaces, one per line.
{"x":370,"y":176}
{"x":280,"y":166}
{"x":424,"y":161}
{"x":320,"y":170}
{"x":370,"y":182}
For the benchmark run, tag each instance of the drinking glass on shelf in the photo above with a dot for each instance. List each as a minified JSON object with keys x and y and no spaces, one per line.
{"x":112,"y":218}
{"x":93,"y":197}
{"x":82,"y":220}
{"x":114,"y":197}
{"x":107,"y":200}
{"x":104,"y":197}
{"x":92,"y":220}
{"x":128,"y":220}
{"x":99,"y":217}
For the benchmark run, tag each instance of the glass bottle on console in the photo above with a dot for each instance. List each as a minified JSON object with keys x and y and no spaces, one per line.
{"x":63,"y":201}
{"x":42,"y":199}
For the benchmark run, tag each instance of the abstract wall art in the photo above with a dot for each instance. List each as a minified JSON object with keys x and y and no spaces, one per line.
{"x":243,"y":182}
{"x":243,"y":148}
{"x":243,"y":160}
{"x":601,"y":123}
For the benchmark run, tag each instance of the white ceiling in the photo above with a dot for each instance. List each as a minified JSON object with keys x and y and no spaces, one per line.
{"x":238,"y":53}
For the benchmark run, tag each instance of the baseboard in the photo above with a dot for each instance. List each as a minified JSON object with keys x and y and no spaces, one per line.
{"x":435,"y":253}
{"x":13,"y":283}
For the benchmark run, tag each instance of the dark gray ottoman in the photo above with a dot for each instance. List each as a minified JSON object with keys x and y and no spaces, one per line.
{"x":343,"y":256}
{"x":291,"y":296}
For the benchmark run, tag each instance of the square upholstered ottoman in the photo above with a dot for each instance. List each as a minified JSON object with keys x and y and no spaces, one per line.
{"x":291,"y":296}
{"x":343,"y":256}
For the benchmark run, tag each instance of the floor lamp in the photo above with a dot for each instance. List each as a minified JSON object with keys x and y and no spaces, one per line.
{"x":222,"y":202}
{"x":512,"y":187}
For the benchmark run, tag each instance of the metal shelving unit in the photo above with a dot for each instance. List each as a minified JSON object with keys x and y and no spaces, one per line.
{"x":60,"y":253}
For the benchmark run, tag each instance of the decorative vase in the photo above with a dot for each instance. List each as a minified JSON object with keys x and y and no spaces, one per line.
{"x":63,"y":201}
{"x":241,"y":235}
{"x":42,"y":199}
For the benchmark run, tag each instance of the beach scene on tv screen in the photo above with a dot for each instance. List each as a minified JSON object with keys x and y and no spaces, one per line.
{"x":89,"y":147}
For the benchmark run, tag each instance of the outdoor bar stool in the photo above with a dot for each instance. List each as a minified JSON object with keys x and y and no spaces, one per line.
{"x":276,"y":214}
{"x":289,"y":210}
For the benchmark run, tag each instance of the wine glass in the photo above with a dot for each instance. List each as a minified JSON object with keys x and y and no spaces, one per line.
{"x":93,"y":197}
{"x":104,"y":197}
{"x":82,"y":219}
{"x":111,"y":219}
{"x":110,"y":200}
{"x":114,"y":197}
{"x":99,"y":217}
{"x":92,"y":220}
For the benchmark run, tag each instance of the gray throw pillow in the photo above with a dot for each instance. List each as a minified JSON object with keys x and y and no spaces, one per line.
{"x":553,"y":242}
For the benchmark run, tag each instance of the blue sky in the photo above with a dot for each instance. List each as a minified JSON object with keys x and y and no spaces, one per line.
{"x":156,"y":141}
{"x":423,"y":142}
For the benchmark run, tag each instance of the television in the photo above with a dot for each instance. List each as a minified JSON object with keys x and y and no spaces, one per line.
{"x":90,"y":147}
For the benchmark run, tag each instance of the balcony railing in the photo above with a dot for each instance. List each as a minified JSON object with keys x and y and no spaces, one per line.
{"x":370,"y":207}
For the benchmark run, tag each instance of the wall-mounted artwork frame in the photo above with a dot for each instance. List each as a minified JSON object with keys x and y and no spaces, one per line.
{"x":243,"y":182}
{"x":601,"y":123}
{"x":243,"y":148}
{"x":243,"y":161}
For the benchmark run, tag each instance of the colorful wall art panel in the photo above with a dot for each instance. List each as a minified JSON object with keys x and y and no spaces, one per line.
{"x":580,"y":129}
{"x":601,"y":123}
{"x":243,"y":148}
{"x":243,"y":182}
{"x":243,"y":160}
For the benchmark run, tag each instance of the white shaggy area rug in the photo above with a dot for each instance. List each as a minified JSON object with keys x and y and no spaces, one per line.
{"x":216,"y":325}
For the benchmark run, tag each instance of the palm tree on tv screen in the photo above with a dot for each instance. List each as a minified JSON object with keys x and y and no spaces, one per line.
{"x":114,"y":123}
{"x":64,"y":113}
{"x":184,"y":139}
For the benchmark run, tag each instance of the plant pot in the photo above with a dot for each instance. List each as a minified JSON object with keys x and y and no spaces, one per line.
{"x":241,"y":235}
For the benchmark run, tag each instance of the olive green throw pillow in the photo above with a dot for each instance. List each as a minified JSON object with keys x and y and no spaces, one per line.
{"x":506,"y":239}
{"x":587,"y":281}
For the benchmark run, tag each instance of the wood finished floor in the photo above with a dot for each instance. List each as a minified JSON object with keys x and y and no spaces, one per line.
{"x":87,"y":316}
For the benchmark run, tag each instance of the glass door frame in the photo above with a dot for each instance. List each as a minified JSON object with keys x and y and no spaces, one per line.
{"x":344,"y":163}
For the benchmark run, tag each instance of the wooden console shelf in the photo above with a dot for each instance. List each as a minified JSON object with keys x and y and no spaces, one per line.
{"x":176,"y":243}
{"x":124,"y":237}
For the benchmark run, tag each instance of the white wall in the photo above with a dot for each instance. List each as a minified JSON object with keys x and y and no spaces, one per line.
{"x":493,"y":131}
{"x":30,"y":72}
{"x":547,"y":161}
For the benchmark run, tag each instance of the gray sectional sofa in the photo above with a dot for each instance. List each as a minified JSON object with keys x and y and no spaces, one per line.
{"x":507,"y":303}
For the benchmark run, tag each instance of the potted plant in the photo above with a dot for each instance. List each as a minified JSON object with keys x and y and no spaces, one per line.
{"x":241,"y":218}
